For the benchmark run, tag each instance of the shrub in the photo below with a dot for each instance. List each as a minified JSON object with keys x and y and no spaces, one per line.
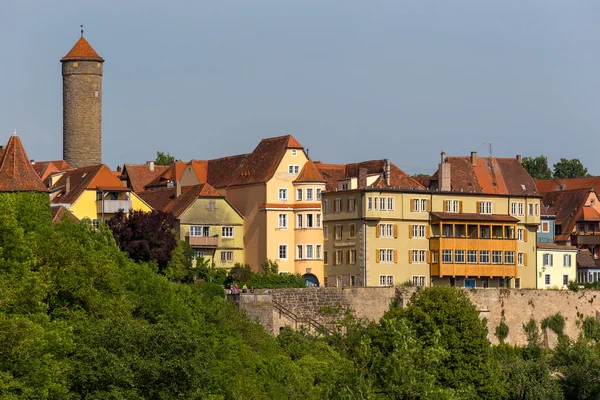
{"x":502,"y":331}
{"x":556,"y":323}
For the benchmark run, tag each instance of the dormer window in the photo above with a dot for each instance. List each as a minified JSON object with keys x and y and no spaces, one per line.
{"x":293,"y":169}
{"x":294,"y":152}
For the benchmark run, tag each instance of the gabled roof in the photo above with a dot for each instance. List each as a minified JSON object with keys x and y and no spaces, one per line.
{"x":585,"y":259}
{"x":140,"y":175}
{"x":164,"y":199}
{"x":489,"y":175}
{"x":336,"y":172}
{"x":81,"y":179}
{"x":568,"y":206}
{"x":16,"y":172}
{"x":309,"y":173}
{"x":82,"y":51}
{"x":551,"y":185}
{"x":60,"y":212}
{"x":256,"y":167}
{"x":47,"y":168}
{"x":172,"y":173}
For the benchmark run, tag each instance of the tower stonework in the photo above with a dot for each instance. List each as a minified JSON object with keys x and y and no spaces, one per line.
{"x":82,"y":71}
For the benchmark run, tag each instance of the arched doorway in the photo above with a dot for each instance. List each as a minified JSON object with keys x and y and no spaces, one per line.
{"x":310,"y":280}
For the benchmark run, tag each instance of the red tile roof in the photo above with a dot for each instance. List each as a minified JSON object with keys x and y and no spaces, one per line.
{"x":172,"y":173}
{"x":590,"y":214}
{"x":91,"y":177}
{"x":47,"y":168}
{"x":551,"y":185}
{"x":309,"y":173}
{"x":139,"y":175}
{"x":60,"y":212}
{"x":473,"y":217}
{"x":554,"y":246}
{"x":568,"y":206}
{"x":585,"y":259}
{"x":505,"y":176}
{"x":82,"y":51}
{"x":16,"y":172}
{"x":164,"y":199}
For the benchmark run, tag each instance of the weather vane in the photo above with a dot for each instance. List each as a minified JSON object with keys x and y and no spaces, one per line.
{"x":81,"y":30}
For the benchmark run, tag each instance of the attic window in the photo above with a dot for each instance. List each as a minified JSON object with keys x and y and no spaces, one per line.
{"x":293,"y":169}
{"x":495,"y":184}
{"x":523,"y":187}
{"x":470,"y":184}
{"x":294,"y":152}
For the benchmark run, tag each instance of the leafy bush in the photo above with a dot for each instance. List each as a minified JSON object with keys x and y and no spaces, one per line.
{"x":573,"y":286}
{"x":273,"y":281}
{"x":591,"y":328}
{"x":556,"y":323}
{"x":501,"y":331}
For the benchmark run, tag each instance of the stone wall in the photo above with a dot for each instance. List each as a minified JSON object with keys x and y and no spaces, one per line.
{"x":294,"y":307}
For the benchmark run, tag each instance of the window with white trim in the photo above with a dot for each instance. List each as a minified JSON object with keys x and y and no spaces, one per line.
{"x":294,"y":152}
{"x":382,"y":204}
{"x":319,"y":194}
{"x":282,"y":221}
{"x":376,"y":203}
{"x":567,"y":260}
{"x":318,"y":216}
{"x":318,"y":251}
{"x":419,"y":256}
{"x":386,"y":280}
{"x":298,"y":194}
{"x":299,"y":252}
{"x":521,"y":209}
{"x":369,"y":203}
{"x":418,"y":231}
{"x":227,"y":232}
{"x":309,"y":220}
{"x":545,"y":226}
{"x":513,"y":208}
{"x":309,"y":194}
{"x":293,"y":169}
{"x":509,"y":257}
{"x":459,"y":256}
{"x":351,"y":204}
{"x":227,"y":256}
{"x":452,"y":206}
{"x":418,"y":280}
{"x":310,"y":251}
{"x":521,"y":258}
{"x":484,"y":257}
{"x":537,"y":209}
{"x":520,"y":235}
{"x":386,"y":255}
{"x":299,"y":218}
{"x":547,"y":260}
{"x":283,"y":251}
{"x":435,"y":256}
{"x":447,"y":256}
{"x":496,"y":257}
{"x":547,"y":280}
{"x":485,"y":207}
{"x":386,"y":230}
{"x":472,"y":256}
{"x":283,"y":195}
{"x":531,"y":209}
{"x":390,"y":205}
{"x":198,"y":254}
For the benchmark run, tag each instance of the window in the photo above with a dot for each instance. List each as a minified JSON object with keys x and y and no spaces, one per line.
{"x":459,"y":256}
{"x":517,"y":283}
{"x":339,"y":281}
{"x":447,"y":256}
{"x":521,"y":209}
{"x":338,"y":257}
{"x":227,"y":256}
{"x":351,"y":204}
{"x":369,"y":203}
{"x":470,"y":284}
{"x":485,"y":207}
{"x":318,"y":194}
{"x":509,"y":257}
{"x":415,"y":206}
{"x":520,"y":234}
{"x":325,"y":232}
{"x":352,"y":257}
{"x":338,"y":231}
{"x":455,"y":206}
{"x":283,"y":195}
{"x":318,"y":216}
{"x":566,"y":260}
{"x":484,"y":257}
{"x":531,"y":209}
{"x":212,"y":205}
{"x":565,"y":280}
{"x":496,"y":257}
{"x":547,"y":280}
{"x":294,"y":152}
{"x":96,"y":223}
{"x":418,"y":256}
{"x":299,"y":220}
{"x":390,"y":203}
{"x":545,"y":226}
{"x":513,"y":208}
{"x":382,"y":204}
{"x":318,"y":251}
{"x":325,"y":206}
{"x":283,"y":251}
{"x":537,"y":209}
{"x":386,"y":255}
{"x":113,"y":195}
{"x":521,"y":259}
{"x":418,"y":231}
{"x":198,"y":254}
{"x":375,"y":202}
{"x":227,"y":232}
{"x":325,"y":258}
{"x":418,"y":280}
{"x":282,"y":221}
{"x":386,"y":280}
{"x":298,"y":194}
{"x":310,"y":251}
{"x":500,"y":283}
{"x":309,"y":220}
{"x":338,"y":205}
{"x":386,"y":230}
{"x":547,"y":260}
{"x":423,"y":205}
{"x":293,"y":169}
{"x":472,"y":256}
{"x":435,"y":255}
{"x":199,"y":230}
{"x":309,"y":194}
{"x":352,"y":280}
{"x":352,"y":232}
{"x":299,"y":252}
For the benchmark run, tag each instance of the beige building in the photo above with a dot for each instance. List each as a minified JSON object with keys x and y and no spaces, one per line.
{"x":557,"y":266}
{"x":473,"y":226}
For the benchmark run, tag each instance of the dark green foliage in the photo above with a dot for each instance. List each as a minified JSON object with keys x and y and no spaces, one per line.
{"x":556,"y":323}
{"x":501,"y":331}
{"x":574,"y":286}
{"x":164,"y":159}
{"x":210,"y":290}
{"x":269,"y":267}
{"x":30,"y":209}
{"x":591,"y":329}
{"x":276,"y":281}
{"x":570,"y":169}
{"x":240,"y":273}
{"x":537,"y":167}
{"x":179,"y":268}
{"x":533,"y":350}
{"x":579,"y":366}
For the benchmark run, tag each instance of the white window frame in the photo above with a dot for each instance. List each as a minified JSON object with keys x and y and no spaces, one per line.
{"x":495,"y":255}
{"x":293,"y":169}
{"x":520,"y":258}
{"x":513,"y":208}
{"x":318,"y":220}
{"x":309,"y":251}
{"x":298,"y":194}
{"x":459,"y":257}
{"x":282,"y":220}
{"x":423,"y":205}
{"x":283,"y":247}
{"x":509,"y":257}
{"x":294,"y":152}
{"x":309,"y":222}
{"x":530,"y":210}
{"x":282,"y":194}
{"x":419,"y":280}
{"x":318,"y":251}
{"x":521,"y":209}
{"x":390,"y":204}
{"x":520,"y":234}
{"x":471,"y":253}
{"x":299,"y":221}
{"x":369,"y":203}
{"x":547,"y":260}
{"x":567,"y":264}
{"x":547,"y":279}
{"x":299,"y":252}
{"x":227,"y":256}
{"x":318,"y":191}
{"x":447,"y":257}
{"x":309,"y":194}
{"x":225,"y":232}
{"x":416,"y":203}
{"x":382,"y":204}
{"x":485,"y":257}
{"x":485,"y":207}
{"x":547,"y":223}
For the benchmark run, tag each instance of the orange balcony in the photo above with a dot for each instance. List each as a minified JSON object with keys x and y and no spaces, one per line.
{"x":202,"y":241}
{"x":474,"y":270}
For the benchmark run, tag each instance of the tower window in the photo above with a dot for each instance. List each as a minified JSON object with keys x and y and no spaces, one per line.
{"x":75,"y":64}
{"x":96,"y":93}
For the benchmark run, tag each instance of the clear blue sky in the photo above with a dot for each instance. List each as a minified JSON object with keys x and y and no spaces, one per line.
{"x":351,"y":80}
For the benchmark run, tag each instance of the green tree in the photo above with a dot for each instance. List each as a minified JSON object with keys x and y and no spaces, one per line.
{"x":269,"y":267}
{"x":537,"y":167}
{"x":164,"y":159}
{"x":570,"y":169}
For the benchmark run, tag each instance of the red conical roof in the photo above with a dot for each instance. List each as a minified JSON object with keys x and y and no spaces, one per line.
{"x":16,"y":172}
{"x":82,"y":51}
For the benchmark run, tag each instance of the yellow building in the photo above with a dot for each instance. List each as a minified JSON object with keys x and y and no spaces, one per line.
{"x":93,"y":192}
{"x":205,"y":220}
{"x":557,"y":266}
{"x":473,"y":225}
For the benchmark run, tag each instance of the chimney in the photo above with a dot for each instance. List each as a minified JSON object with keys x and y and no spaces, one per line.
{"x":474,"y":158}
{"x":118,"y":168}
{"x":67,"y":184}
{"x":362,"y":177}
{"x":519,"y":158}
{"x":150,"y":165}
{"x":444,"y":174}
{"x":32,"y":162}
{"x":177,"y":189}
{"x":387,"y":172}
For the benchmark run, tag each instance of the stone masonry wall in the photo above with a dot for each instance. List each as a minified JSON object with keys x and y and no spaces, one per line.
{"x":517,"y":307}
{"x":82,"y":113}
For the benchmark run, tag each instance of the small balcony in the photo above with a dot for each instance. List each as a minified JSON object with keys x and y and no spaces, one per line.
{"x":202,"y":241}
{"x":112,"y":206}
{"x":589,"y":238}
{"x":474,"y":270}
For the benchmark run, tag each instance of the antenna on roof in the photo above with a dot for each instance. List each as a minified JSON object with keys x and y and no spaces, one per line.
{"x":81,"y":30}
{"x":307,"y":152}
{"x":490,"y":146}
{"x":15,"y":132}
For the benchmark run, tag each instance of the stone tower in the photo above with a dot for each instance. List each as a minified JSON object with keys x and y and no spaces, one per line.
{"x":82,"y":105}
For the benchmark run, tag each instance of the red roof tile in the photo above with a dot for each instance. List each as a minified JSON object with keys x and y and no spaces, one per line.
{"x":164,"y":199}
{"x":82,"y":51}
{"x":551,"y":185}
{"x":60,"y":212}
{"x":47,"y":168}
{"x":171,"y":174}
{"x":138,"y":176}
{"x":16,"y":172}
{"x":568,"y":206}
{"x":309,"y":173}
{"x":80,"y":179}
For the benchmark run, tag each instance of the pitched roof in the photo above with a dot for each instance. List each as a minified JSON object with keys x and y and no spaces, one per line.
{"x":82,"y":51}
{"x":60,"y":212}
{"x":164,"y":198}
{"x":505,"y":176}
{"x":554,"y":246}
{"x":47,"y":168}
{"x":568,"y":206}
{"x":172,"y":173}
{"x":398,"y":178}
{"x":16,"y":172}
{"x":309,"y":173}
{"x":140,"y":175}
{"x":256,"y":167}
{"x":585,"y":259}
{"x":551,"y":185}
{"x":445,"y":216}
{"x":80,"y":179}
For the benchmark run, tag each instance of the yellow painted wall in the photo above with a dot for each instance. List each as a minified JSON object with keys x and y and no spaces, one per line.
{"x":557,"y":270}
{"x":85,"y":205}
{"x":137,"y":204}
